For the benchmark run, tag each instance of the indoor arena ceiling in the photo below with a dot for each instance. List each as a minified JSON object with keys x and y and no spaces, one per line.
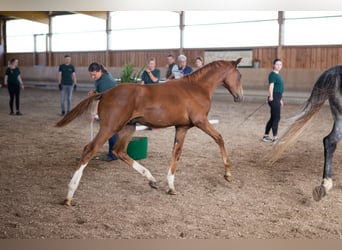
{"x":43,"y":16}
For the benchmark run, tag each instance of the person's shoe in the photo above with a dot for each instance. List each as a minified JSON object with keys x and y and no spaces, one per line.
{"x":267,"y":138}
{"x":63,"y":113}
{"x":111,"y":158}
{"x":275,"y":140}
{"x":18,"y":113}
{"x":12,"y":113}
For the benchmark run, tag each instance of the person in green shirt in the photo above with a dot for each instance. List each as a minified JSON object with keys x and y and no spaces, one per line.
{"x":66,"y":82}
{"x":275,"y":101}
{"x":103,"y":81}
{"x":14,"y":83}
{"x":151,"y":74}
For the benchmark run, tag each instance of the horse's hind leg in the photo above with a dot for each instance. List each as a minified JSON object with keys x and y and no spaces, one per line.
{"x":120,"y":150}
{"x":210,"y":130}
{"x":330,"y":143}
{"x":88,"y":152}
{"x":176,"y":153}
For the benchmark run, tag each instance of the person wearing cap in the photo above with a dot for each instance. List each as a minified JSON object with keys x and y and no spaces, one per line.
{"x":183,"y":68}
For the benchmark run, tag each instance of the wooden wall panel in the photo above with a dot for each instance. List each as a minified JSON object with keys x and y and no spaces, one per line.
{"x":298,"y":57}
{"x":265,"y":55}
{"x":312,"y":57}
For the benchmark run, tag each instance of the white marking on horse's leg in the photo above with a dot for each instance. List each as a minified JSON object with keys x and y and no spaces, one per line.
{"x":327,"y":184}
{"x":75,"y":181}
{"x":170,"y":180}
{"x":143,"y":171}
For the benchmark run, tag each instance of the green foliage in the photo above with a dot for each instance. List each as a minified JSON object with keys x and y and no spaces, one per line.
{"x":128,"y":74}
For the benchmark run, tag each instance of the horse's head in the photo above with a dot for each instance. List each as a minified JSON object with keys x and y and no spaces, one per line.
{"x":232,"y":81}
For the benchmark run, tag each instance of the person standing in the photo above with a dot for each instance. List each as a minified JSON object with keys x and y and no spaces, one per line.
{"x":171,"y":67}
{"x":103,"y":81}
{"x":66,"y":83}
{"x":275,"y":101}
{"x":151,"y":74}
{"x":183,"y":68}
{"x":14,"y":83}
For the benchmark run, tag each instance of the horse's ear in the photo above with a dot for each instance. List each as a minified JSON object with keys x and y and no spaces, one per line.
{"x":238,"y":61}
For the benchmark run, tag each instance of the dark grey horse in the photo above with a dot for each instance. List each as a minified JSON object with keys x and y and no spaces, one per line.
{"x":327,"y":87}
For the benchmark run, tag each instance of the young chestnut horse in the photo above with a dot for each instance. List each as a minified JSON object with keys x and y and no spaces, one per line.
{"x":327,"y":87}
{"x":183,"y":103}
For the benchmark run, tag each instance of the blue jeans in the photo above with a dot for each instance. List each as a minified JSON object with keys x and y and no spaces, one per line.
{"x":111,"y":143}
{"x":66,"y":93}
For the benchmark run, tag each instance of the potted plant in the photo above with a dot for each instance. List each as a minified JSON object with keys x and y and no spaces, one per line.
{"x":256,"y":62}
{"x":128,"y":74}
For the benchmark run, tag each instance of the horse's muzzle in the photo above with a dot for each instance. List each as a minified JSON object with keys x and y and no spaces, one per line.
{"x":238,"y":98}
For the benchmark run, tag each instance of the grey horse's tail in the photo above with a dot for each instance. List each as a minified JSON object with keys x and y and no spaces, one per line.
{"x":326,"y":85}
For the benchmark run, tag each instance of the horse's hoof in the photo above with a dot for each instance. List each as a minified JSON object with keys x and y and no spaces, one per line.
{"x":318,"y":193}
{"x":67,"y":202}
{"x":153,"y":184}
{"x":172,"y":192}
{"x":228,"y":178}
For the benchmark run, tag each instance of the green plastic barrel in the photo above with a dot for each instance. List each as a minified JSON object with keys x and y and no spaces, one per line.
{"x":137,"y":148}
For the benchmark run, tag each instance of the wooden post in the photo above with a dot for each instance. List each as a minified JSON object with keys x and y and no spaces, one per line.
{"x":49,"y":44}
{"x":108,"y":31}
{"x":281,"y":34}
{"x":181,"y":27}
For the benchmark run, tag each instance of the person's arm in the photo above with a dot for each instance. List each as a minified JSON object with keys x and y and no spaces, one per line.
{"x":154,"y":78}
{"x":74,"y":78}
{"x":5,"y":80}
{"x":144,"y":74}
{"x":94,"y":112}
{"x":270,"y":91}
{"x":21,"y":82}
{"x":59,"y":79}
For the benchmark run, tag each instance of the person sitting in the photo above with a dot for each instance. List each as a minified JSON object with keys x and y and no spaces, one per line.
{"x":171,"y":67}
{"x":183,"y":68}
{"x":199,"y":62}
{"x":151,"y":74}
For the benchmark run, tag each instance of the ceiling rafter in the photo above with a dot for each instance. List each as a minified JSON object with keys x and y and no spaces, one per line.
{"x":36,"y":16}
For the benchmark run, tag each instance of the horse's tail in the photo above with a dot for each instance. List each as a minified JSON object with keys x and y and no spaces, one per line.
{"x":323,"y":88}
{"x":79,"y":110}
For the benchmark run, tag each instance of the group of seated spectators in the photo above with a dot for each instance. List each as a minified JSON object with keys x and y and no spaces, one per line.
{"x":174,"y":71}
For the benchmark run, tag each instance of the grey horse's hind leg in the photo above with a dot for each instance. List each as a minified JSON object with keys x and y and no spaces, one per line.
{"x":330,"y":143}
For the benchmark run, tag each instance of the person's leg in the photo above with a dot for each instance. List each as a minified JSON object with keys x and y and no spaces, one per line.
{"x":268,"y":127}
{"x":276,"y":107}
{"x":11,"y":95}
{"x":111,"y":143}
{"x":69,"y":97}
{"x":17,"y":99}
{"x":63,"y":94}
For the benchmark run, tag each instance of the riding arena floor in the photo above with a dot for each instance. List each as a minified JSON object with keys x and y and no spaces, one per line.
{"x":113,"y":201}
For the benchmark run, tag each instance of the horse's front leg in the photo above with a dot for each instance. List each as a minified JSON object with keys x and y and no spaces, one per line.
{"x":330,"y":143}
{"x":176,"y":153}
{"x":206,"y":127}
{"x":88,"y":153}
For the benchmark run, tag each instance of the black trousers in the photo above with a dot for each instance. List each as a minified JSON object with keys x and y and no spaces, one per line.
{"x":275,"y":108}
{"x":14,"y":92}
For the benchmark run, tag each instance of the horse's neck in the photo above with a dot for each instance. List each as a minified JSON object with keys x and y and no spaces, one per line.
{"x":211,"y":80}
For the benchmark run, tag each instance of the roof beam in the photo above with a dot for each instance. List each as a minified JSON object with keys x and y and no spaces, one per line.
{"x":36,"y":16}
{"x":98,"y":14}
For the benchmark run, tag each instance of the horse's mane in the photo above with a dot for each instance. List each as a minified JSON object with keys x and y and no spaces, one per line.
{"x":194,"y":76}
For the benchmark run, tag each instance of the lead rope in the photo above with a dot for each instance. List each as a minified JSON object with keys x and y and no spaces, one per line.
{"x":250,"y":115}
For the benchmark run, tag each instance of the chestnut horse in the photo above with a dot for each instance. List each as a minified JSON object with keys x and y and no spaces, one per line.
{"x":183,"y":103}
